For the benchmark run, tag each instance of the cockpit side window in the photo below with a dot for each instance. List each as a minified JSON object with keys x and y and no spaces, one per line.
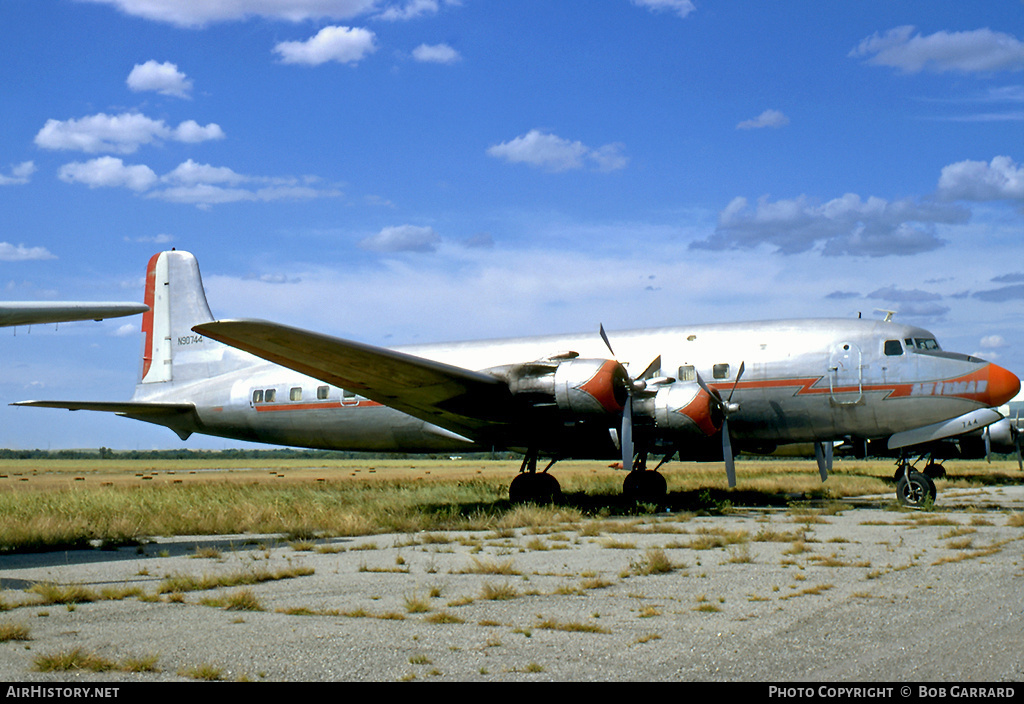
{"x":893,"y":348}
{"x":923,"y":344}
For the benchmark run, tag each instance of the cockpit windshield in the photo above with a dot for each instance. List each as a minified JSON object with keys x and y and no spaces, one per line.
{"x":926,"y":344}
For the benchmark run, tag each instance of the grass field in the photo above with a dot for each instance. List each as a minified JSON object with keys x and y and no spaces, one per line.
{"x":48,"y":504}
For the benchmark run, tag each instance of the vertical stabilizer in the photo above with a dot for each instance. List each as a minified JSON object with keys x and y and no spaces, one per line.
{"x":171,"y":351}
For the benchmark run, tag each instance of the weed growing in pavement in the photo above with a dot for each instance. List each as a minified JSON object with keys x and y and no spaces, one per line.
{"x":13,"y":631}
{"x":72,"y":660}
{"x":190,"y":583}
{"x":653,"y":561}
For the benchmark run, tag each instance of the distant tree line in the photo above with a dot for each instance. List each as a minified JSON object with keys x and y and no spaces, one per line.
{"x":105,"y":453}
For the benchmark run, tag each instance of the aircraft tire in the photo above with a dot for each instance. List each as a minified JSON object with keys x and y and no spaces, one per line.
{"x":534,"y":487}
{"x":915,"y":490}
{"x":644,"y":485}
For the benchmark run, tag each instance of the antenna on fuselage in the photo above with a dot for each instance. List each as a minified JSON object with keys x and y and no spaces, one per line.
{"x":888,"y":314}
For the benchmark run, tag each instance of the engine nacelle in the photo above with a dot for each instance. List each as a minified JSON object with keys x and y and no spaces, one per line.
{"x":682,"y":407}
{"x":578,"y":387}
{"x":591,"y":386}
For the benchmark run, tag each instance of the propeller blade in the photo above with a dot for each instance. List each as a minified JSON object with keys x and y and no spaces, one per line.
{"x":626,"y":437}
{"x":1016,"y":433}
{"x":653,"y":367}
{"x":823,"y":454}
{"x":988,"y":444}
{"x":730,"y":461}
{"x":608,"y":344}
{"x":707,"y":389}
{"x":739,"y":374}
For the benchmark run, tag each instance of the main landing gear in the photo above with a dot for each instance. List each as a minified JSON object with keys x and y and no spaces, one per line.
{"x":641,"y":484}
{"x":917,"y":489}
{"x":533,"y":486}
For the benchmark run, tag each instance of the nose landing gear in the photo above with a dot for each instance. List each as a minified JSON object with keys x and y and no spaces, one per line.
{"x":916,"y":489}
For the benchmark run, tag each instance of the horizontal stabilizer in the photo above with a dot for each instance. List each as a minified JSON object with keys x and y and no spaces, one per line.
{"x":31,"y":313}
{"x":967,"y":423}
{"x":179,"y":417}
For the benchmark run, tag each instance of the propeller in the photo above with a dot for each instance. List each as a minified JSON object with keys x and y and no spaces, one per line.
{"x":1015,"y":433}
{"x":635,"y":384}
{"x":727,"y":407}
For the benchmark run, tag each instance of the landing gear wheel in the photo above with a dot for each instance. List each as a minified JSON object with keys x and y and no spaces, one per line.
{"x":915,"y":490}
{"x":934,"y":470}
{"x":536,"y":487}
{"x":644,"y":485}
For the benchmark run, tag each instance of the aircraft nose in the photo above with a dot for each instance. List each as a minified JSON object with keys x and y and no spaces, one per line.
{"x":1002,"y":385}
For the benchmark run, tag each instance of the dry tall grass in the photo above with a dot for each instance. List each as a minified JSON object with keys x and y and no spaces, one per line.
{"x":453,"y":497}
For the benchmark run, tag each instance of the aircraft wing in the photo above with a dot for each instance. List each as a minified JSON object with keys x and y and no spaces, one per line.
{"x":30,"y":313}
{"x":470,"y":403}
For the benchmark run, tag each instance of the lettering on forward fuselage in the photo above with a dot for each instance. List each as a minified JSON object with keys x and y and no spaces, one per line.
{"x":949,"y":388}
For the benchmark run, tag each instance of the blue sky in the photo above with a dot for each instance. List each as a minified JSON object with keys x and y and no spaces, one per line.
{"x":400,"y":171}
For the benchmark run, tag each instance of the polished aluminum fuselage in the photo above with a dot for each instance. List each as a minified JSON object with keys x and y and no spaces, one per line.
{"x":804,"y":380}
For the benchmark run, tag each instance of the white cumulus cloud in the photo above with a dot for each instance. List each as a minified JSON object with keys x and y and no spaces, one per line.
{"x":980,"y":50}
{"x":199,"y":13}
{"x":769,"y":118}
{"x":190,"y":173}
{"x":108,"y":172}
{"x":404,"y":238}
{"x":411,"y":9}
{"x":346,"y":45}
{"x":678,"y":7}
{"x":21,"y":253}
{"x":553,"y":153}
{"x":163,"y":78}
{"x":119,"y":134}
{"x":1000,"y":179}
{"x":848,"y":225}
{"x":192,"y":183}
{"x":20,"y":174}
{"x":993,"y":342}
{"x":435,"y":54}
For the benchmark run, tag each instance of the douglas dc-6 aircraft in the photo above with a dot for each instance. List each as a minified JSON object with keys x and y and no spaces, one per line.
{"x":697,"y":392}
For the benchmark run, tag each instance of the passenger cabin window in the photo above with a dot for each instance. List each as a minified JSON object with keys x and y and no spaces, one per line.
{"x":687,"y":373}
{"x":321,"y":393}
{"x":270,"y":395}
{"x":893,"y":348}
{"x":295,"y":394}
{"x":720,"y":371}
{"x":257,"y":396}
{"x":348,"y":398}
